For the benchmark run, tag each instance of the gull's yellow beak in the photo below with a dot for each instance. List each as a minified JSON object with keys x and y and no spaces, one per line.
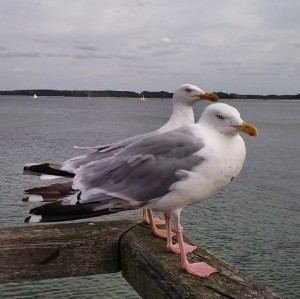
{"x":209,"y":96}
{"x":248,"y":129}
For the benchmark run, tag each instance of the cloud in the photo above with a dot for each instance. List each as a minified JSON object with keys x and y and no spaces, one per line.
{"x":258,"y":74}
{"x":126,"y":57}
{"x":20,"y":54}
{"x":165,"y":40}
{"x":294,"y":43}
{"x":56,"y":55}
{"x":86,"y":48}
{"x":161,"y":44}
{"x":91,"y":56}
{"x":19,"y":70}
{"x":164,"y":46}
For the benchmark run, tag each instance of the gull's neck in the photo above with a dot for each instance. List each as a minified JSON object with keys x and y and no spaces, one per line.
{"x":182,"y":114}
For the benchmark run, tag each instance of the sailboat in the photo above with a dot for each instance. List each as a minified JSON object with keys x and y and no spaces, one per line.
{"x":142,"y":97}
{"x":89,"y":96}
{"x":35,"y":96}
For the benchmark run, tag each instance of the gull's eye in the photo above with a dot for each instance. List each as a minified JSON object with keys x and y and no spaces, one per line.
{"x":219,"y":116}
{"x":188,"y":90}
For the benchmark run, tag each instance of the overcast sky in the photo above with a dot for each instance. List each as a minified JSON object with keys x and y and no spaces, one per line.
{"x":243,"y":46}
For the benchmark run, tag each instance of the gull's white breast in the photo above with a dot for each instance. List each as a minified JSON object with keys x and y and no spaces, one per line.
{"x":224,"y":157}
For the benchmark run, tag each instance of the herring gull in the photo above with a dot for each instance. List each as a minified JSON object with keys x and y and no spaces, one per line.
{"x":183,"y":99}
{"x":164,"y":172}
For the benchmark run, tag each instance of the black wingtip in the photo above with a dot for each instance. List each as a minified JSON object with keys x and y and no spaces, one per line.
{"x":56,"y":212}
{"x":25,"y":199}
{"x":46,"y":168}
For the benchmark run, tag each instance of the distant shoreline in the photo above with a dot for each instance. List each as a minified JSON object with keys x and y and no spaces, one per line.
{"x":132,"y":94}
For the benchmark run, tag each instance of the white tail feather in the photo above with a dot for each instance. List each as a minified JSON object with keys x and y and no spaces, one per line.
{"x":35,"y":218}
{"x":50,"y":177}
{"x":30,"y":164}
{"x":70,"y":200}
{"x":35,"y":198}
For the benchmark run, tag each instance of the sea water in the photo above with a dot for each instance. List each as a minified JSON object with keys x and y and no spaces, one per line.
{"x":253,"y":223}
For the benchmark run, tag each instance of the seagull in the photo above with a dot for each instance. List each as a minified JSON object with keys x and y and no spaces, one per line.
{"x":184,"y":98}
{"x":165,"y":171}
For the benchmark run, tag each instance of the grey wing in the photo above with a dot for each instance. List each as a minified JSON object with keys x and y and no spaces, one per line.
{"x":101,"y":153}
{"x":144,"y":170}
{"x":118,"y":146}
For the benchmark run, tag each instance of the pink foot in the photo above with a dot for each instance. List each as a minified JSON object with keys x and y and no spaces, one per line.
{"x":187,"y":247}
{"x":200,"y":269}
{"x":161,"y":233}
{"x":158,"y":221}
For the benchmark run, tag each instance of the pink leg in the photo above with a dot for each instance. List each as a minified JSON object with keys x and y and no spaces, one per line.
{"x":161,"y":233}
{"x":175,"y":247}
{"x":145,"y":216}
{"x":156,"y":220}
{"x":198,"y":269}
{"x":170,"y":245}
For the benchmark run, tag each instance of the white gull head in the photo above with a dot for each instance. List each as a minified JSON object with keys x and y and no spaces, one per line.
{"x":226,"y":119}
{"x":183,"y":99}
{"x":188,"y":94}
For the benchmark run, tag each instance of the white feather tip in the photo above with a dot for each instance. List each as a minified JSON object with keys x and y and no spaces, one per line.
{"x":49,"y":177}
{"x":35,"y":198}
{"x":35,"y":218}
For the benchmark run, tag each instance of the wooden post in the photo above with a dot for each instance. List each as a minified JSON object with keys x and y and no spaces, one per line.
{"x":86,"y":248}
{"x":155,"y":273}
{"x":60,"y":250}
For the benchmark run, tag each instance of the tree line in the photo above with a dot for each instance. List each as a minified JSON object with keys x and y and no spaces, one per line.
{"x":132,"y":94}
{"x":87,"y":93}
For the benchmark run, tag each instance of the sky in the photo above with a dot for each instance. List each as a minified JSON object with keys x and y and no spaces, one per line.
{"x":238,"y":46}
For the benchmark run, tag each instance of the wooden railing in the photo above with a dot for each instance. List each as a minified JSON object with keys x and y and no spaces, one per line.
{"x":84,"y":248}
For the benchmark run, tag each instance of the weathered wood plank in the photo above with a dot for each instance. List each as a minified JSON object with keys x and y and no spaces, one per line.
{"x":60,"y":250}
{"x":155,"y":273}
{"x":79,"y":249}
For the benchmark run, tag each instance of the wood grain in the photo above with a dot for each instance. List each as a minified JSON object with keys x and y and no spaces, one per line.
{"x":87,"y":248}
